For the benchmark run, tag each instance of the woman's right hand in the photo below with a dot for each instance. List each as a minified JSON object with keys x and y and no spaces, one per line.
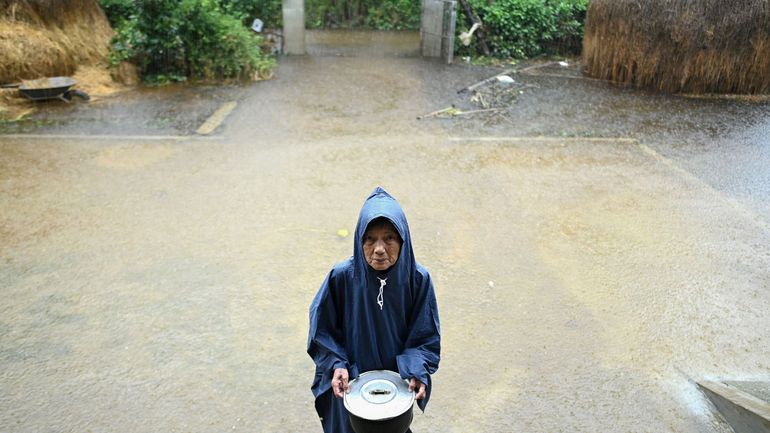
{"x":340,"y":382}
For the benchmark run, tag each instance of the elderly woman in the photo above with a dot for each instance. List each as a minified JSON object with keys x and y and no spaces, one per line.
{"x":375,"y":311}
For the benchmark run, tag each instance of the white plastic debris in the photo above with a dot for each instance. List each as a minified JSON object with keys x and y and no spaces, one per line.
{"x":465,"y":37}
{"x":505,"y":79}
{"x":257,"y":25}
{"x":563,"y":64}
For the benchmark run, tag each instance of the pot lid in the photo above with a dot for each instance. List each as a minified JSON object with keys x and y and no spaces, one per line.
{"x":378,"y":395}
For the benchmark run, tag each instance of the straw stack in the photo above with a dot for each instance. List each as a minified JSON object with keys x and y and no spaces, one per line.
{"x":41,"y":38}
{"x":691,"y":46}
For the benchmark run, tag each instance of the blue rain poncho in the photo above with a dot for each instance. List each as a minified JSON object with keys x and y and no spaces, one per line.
{"x":350,"y":329}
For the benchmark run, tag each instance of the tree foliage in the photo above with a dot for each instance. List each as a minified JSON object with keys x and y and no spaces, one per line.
{"x":372,"y":14}
{"x":171,"y":40}
{"x":530,"y":28}
{"x":269,"y":11}
{"x":205,"y":38}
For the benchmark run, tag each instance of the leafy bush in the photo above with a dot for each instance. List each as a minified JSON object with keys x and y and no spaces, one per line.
{"x":394,"y":15}
{"x":530,"y":28}
{"x":117,"y":11}
{"x":221,"y":46}
{"x":159,"y":47}
{"x":269,"y":11}
{"x":171,"y":40}
{"x":372,"y":14}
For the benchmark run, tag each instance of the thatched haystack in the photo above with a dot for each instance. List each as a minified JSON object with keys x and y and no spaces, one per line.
{"x":50,"y":37}
{"x":691,"y":46}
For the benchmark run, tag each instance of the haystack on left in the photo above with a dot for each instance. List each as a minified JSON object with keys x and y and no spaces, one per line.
{"x":40,"y":38}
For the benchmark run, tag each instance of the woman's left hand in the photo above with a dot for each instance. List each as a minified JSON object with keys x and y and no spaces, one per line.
{"x":419,"y":387}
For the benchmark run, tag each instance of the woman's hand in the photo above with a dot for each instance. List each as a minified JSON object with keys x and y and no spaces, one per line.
{"x":419,"y":387}
{"x":340,"y":382}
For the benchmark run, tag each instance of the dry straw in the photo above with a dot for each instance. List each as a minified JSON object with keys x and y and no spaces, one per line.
{"x":41,"y":38}
{"x":691,"y":46}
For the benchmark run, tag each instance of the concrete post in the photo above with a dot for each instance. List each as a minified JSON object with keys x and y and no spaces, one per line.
{"x":294,"y":27}
{"x":431,"y":27}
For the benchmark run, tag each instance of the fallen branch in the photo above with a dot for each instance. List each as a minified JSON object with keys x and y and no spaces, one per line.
{"x":524,"y":87}
{"x":533,"y":67}
{"x":448,"y":110}
{"x":486,"y":110}
{"x":474,"y":86}
{"x":454,"y":112}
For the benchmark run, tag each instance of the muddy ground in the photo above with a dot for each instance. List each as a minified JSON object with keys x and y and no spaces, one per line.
{"x":594,"y":251}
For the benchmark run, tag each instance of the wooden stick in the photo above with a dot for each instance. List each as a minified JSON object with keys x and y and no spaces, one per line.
{"x":484,"y":81}
{"x":474,"y":86}
{"x":453,"y":112}
{"x":486,"y":110}
{"x":436,"y":113}
{"x":529,"y":68}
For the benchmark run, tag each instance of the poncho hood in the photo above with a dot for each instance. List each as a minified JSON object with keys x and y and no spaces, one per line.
{"x":380,"y":204}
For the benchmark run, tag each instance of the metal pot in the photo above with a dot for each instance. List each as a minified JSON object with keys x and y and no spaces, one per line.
{"x":379,"y":401}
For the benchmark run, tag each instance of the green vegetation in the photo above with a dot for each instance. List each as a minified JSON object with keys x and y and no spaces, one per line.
{"x":172,"y":40}
{"x":515,"y":28}
{"x":117,"y":10}
{"x":269,"y":11}
{"x":372,"y":14}
{"x":177,"y":39}
{"x":528,"y":28}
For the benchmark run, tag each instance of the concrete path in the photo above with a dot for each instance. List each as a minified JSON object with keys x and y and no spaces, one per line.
{"x":591,"y":261}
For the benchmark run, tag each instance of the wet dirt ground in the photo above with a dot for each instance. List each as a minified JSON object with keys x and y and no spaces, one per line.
{"x":593,"y":253}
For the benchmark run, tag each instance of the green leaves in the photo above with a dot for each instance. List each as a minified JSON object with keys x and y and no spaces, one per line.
{"x":117,"y":11}
{"x":269,"y":11}
{"x":373,"y":14}
{"x":530,"y":28}
{"x":171,"y":40}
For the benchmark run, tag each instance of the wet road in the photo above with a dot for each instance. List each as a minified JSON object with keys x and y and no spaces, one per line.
{"x":584,"y":276}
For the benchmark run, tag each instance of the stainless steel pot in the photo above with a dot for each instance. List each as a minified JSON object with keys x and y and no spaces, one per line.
{"x":379,"y":401}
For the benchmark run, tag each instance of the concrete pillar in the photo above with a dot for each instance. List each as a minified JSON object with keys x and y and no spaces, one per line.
{"x":431,"y":27}
{"x":294,"y":27}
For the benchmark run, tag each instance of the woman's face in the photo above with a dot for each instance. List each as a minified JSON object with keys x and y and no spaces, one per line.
{"x":382,"y":244}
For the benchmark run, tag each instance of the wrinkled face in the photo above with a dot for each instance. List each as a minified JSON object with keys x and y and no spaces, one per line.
{"x":382,"y":244}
